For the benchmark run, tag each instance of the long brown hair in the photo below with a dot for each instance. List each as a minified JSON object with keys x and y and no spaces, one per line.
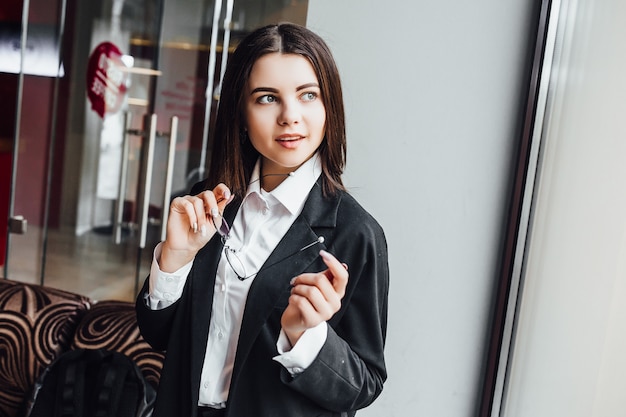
{"x":233,"y":157}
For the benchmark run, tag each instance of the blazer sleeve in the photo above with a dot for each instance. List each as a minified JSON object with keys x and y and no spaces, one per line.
{"x":349,"y":372}
{"x":154,"y":325}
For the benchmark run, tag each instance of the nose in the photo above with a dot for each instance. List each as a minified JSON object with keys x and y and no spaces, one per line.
{"x":290,"y":113}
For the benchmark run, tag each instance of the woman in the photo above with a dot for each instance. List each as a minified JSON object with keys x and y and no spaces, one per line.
{"x":269,"y":294}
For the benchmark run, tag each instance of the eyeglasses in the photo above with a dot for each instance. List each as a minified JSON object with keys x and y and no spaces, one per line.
{"x":231,"y":254}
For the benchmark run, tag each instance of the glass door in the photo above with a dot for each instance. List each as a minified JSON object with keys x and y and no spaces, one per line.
{"x":108,"y":128}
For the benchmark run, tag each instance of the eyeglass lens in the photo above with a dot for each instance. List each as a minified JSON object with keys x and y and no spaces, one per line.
{"x":231,"y":255}
{"x":235,"y":263}
{"x":223,"y":230}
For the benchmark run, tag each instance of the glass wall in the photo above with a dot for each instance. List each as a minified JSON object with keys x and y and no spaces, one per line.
{"x":110,"y":107}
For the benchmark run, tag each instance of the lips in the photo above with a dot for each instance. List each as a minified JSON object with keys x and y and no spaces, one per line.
{"x":289,"y":137}
{"x":290,"y":140}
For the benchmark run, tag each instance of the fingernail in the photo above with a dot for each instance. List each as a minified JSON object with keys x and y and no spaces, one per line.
{"x":227,"y":194}
{"x":293,"y":280}
{"x":324,"y":254}
{"x":195,"y":227}
{"x":203,"y":230}
{"x":215,"y":212}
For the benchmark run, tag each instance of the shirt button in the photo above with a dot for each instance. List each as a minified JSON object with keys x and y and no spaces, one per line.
{"x":220,"y":335}
{"x":167,"y":296}
{"x":169,"y":279}
{"x":206,"y":384}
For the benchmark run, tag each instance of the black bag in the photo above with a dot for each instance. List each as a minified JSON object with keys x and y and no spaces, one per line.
{"x":92,"y":383}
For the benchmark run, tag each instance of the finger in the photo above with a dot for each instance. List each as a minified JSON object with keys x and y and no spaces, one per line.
{"x":201,"y":205}
{"x":210,"y":209}
{"x":185,"y":207}
{"x":325,"y":301}
{"x":309,"y":316}
{"x":337,"y":272}
{"x":318,"y":279}
{"x":223,"y":195}
{"x":318,"y":288}
{"x":214,"y":203}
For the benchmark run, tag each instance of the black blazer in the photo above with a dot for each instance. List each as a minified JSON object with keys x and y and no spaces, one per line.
{"x":349,"y":371}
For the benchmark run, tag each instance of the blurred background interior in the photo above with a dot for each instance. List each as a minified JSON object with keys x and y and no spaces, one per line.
{"x":91,"y":189}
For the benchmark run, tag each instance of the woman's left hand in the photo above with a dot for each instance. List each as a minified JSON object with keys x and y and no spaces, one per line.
{"x":315,"y":297}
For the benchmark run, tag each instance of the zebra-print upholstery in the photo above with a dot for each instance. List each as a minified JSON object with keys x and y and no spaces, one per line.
{"x":38,"y":323}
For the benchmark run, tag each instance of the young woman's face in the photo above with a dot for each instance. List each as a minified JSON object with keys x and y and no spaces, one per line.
{"x":284,"y":110}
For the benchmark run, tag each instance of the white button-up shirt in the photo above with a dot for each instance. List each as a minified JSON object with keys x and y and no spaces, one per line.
{"x":261,"y":222}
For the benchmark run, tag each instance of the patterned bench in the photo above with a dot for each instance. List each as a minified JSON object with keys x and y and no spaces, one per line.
{"x":38,"y":323}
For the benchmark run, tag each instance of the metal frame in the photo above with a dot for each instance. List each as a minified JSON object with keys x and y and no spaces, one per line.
{"x":16,"y":133}
{"x":510,"y":284}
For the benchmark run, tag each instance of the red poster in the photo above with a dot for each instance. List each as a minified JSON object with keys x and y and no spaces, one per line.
{"x":106,"y":79}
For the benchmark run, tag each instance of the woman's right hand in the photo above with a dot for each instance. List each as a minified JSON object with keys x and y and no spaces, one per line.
{"x":189,"y":226}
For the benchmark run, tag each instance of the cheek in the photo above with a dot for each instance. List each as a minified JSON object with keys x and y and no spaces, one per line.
{"x":321,"y":122}
{"x":253,"y":117}
{"x":256,"y":123}
{"x":316,"y":117}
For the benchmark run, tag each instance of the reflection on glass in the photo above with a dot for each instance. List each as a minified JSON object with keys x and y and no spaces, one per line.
{"x":166,"y":54}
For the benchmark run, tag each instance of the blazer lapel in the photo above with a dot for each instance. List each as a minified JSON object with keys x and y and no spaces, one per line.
{"x":318,"y":219}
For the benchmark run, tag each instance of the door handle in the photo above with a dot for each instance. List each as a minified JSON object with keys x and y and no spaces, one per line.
{"x":171,"y":151}
{"x":147,"y":180}
{"x":121,"y":193}
{"x":217,"y":11}
{"x":149,"y":135}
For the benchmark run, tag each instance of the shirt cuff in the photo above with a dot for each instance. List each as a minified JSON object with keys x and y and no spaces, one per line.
{"x":164,"y":288}
{"x":299,"y":357}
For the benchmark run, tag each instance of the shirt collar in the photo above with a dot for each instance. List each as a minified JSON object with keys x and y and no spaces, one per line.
{"x":293,"y":191}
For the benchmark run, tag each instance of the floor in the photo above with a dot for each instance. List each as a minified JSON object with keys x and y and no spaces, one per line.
{"x":90,"y":264}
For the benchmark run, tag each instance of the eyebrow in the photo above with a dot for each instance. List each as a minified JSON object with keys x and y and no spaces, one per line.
{"x":275,"y":90}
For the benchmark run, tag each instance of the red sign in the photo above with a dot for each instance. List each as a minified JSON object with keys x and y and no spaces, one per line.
{"x":106,"y":79}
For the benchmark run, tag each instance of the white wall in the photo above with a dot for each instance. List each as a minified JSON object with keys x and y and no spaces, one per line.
{"x":568,"y":359}
{"x":433,"y":91}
